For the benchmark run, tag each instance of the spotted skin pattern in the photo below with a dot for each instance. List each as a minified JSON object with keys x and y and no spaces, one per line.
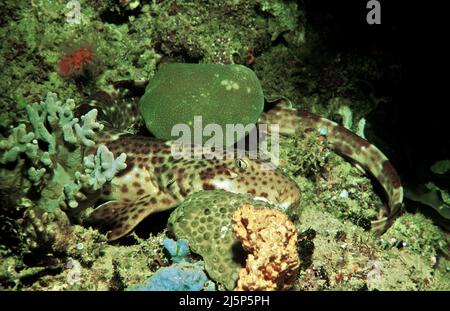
{"x":349,"y":145}
{"x":154,"y":181}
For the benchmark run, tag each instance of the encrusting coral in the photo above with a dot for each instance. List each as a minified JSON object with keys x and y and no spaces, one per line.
{"x":204,"y":219}
{"x":271,"y":239}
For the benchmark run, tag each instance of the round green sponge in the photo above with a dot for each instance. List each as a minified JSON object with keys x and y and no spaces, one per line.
{"x":220,"y":94}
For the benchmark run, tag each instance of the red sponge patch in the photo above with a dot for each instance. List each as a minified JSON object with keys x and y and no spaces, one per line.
{"x":74,"y":64}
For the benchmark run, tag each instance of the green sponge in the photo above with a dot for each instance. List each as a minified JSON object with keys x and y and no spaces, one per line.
{"x":220,"y":94}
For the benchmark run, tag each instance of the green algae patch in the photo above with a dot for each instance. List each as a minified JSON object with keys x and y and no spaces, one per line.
{"x":220,"y":94}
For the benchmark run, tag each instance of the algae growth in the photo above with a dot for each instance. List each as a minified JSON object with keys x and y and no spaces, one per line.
{"x":52,"y":97}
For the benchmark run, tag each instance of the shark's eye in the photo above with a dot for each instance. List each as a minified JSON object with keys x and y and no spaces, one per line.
{"x":241,"y":164}
{"x":170,"y":183}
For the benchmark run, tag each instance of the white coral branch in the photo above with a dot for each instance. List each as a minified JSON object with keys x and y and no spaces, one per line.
{"x":86,"y":132}
{"x":102,"y":167}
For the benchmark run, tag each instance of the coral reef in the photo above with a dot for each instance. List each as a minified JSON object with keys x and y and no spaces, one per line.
{"x":271,"y":240}
{"x":45,"y":153}
{"x":342,"y":256}
{"x":49,"y":144}
{"x":53,"y":144}
{"x":19,"y":141}
{"x":334,"y":249}
{"x":91,"y":264}
{"x":327,"y":180}
{"x":204,"y":219}
{"x":238,"y":27}
{"x":417,"y":233}
{"x":60,"y":119}
{"x":43,"y":171}
{"x":180,"y":92}
{"x":311,"y":154}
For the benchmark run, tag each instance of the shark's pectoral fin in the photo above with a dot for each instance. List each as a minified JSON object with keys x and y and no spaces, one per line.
{"x":117,"y":218}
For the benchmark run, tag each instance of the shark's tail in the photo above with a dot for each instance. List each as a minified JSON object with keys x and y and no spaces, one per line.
{"x":351,"y":146}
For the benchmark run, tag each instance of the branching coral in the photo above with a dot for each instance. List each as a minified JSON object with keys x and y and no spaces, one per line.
{"x":98,"y":169}
{"x":48,"y":119}
{"x":53,"y":144}
{"x":101,"y":168}
{"x":19,"y":141}
{"x":271,"y":239}
{"x":60,"y":116}
{"x":86,"y":131}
